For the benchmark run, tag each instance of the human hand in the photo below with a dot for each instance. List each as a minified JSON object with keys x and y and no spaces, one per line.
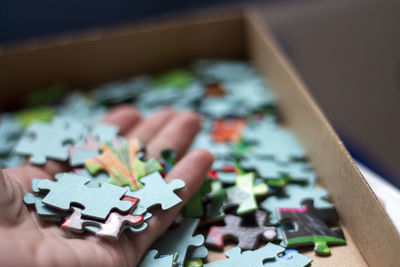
{"x":28,"y":241}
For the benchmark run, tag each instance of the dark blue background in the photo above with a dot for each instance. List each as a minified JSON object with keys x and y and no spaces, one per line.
{"x":21,"y":19}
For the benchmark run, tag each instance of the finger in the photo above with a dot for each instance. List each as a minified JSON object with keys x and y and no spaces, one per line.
{"x":192,"y":169}
{"x":148,"y":129}
{"x":125,"y":117}
{"x":177,"y":135}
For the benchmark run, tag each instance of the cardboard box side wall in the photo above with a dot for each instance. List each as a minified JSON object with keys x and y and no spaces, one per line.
{"x":113,"y":55}
{"x":359,"y":209}
{"x":91,"y":59}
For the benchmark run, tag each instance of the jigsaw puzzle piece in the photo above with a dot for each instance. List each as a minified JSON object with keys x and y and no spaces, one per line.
{"x":50,"y":140}
{"x":151,"y":259}
{"x":250,"y":258}
{"x":157,"y":191}
{"x":178,"y":240}
{"x":110,"y":229}
{"x":203,"y":141}
{"x":104,"y":132}
{"x":95,"y":180}
{"x":247,"y":236}
{"x":133,"y":228}
{"x":97,"y":202}
{"x":293,"y":197}
{"x":310,"y":227}
{"x":273,"y":141}
{"x":119,"y":92}
{"x":246,"y":183}
{"x":43,"y":210}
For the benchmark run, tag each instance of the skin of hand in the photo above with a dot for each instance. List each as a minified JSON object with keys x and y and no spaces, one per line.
{"x":25,"y":240}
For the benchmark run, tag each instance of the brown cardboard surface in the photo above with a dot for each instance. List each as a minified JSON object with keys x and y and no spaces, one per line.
{"x":360,"y":211}
{"x":90,"y":59}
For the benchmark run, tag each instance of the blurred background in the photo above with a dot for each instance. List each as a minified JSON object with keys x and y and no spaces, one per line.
{"x":347,"y":52}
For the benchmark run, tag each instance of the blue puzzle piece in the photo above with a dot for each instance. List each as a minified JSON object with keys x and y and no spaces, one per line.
{"x":155,"y":192}
{"x":50,"y":140}
{"x":95,"y":180}
{"x":203,"y":141}
{"x":151,"y":259}
{"x":104,"y":132}
{"x":273,"y":141}
{"x":71,"y":189}
{"x":294,"y":195}
{"x":44,"y":210}
{"x":250,"y":258}
{"x":179,"y":239}
{"x":271,"y":169}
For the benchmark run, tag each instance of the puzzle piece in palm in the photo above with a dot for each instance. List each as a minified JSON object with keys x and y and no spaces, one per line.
{"x":44,"y":211}
{"x":95,"y":180}
{"x":89,"y":148}
{"x":121,"y":161}
{"x":111,"y":228}
{"x":50,"y":140}
{"x":157,"y":191}
{"x":133,"y":228}
{"x":249,"y":258}
{"x":71,"y":189}
{"x":151,"y":259}
{"x":81,"y":152}
{"x":293,"y":197}
{"x":310,"y":227}
{"x":178,"y":240}
{"x":247,"y":236}
{"x":291,"y":258}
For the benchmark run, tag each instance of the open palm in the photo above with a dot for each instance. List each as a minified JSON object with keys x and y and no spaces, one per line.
{"x":28,"y":241}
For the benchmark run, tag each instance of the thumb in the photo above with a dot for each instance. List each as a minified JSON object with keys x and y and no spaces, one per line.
{"x":10,"y":199}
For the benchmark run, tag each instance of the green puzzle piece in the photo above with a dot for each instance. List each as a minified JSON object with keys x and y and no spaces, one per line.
{"x":243,"y":195}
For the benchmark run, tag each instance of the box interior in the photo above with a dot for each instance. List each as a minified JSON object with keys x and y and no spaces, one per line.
{"x":87,"y":59}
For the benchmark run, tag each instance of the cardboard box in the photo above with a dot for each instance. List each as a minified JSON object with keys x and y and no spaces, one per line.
{"x":84,"y":60}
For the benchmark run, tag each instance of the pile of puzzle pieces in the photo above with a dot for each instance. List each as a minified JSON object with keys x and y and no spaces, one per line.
{"x":260,"y":192}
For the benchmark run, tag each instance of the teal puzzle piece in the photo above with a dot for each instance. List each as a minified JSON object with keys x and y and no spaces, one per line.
{"x":250,"y":258}
{"x":71,"y":189}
